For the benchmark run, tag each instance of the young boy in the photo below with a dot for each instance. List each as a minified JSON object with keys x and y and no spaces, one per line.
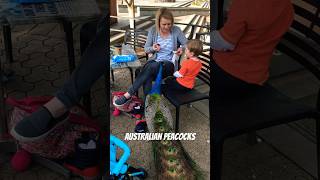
{"x":185,"y":78}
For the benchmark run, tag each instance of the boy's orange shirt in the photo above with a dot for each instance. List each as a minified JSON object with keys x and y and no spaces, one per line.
{"x":254,"y":27}
{"x":189,"y":70}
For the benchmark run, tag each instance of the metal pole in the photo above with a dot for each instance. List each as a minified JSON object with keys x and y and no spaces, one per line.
{"x":216,"y":22}
{"x":7,"y":42}
{"x":67,"y":26}
{"x":3,"y":113}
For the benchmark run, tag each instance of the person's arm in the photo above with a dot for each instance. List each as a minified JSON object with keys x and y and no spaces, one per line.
{"x":183,"y":70}
{"x":149,"y":43}
{"x":230,"y":34}
{"x":219,"y":43}
{"x":177,"y":74}
{"x":182,"y":40}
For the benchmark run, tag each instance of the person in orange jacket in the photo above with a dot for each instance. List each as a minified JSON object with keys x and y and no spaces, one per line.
{"x":243,"y":47}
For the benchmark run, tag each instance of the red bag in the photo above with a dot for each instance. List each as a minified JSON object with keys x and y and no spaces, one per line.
{"x":60,"y":142}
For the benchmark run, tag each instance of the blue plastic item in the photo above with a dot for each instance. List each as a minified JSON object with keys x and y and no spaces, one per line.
{"x":123,"y":58}
{"x":119,"y":169}
{"x":156,"y":88}
{"x":120,"y":166}
{"x":33,"y":1}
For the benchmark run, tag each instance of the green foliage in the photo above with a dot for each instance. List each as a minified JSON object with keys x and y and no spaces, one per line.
{"x":155,"y":98}
{"x":158,"y":117}
{"x":173,"y":170}
{"x":172,"y":159}
{"x":172,"y":149}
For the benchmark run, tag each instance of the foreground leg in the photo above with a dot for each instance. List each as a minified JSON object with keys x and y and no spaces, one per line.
{"x":52,"y":114}
{"x":146,"y":76}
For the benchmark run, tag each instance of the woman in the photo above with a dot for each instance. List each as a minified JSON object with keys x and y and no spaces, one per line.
{"x":163,"y":39}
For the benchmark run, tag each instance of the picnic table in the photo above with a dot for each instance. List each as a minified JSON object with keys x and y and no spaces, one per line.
{"x":53,"y":11}
{"x":132,"y":66}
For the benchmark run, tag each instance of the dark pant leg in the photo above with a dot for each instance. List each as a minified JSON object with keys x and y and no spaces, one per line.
{"x":145,"y":77}
{"x":173,"y":85}
{"x":89,"y":30}
{"x":147,"y":86}
{"x":92,"y":67}
{"x":227,"y":88}
{"x":87,"y":35}
{"x":168,"y":69}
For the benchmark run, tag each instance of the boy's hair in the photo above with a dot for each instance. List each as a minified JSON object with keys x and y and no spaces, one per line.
{"x":195,"y":46}
{"x":163,"y":13}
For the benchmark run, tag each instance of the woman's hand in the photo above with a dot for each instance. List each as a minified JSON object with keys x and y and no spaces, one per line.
{"x":179,"y":51}
{"x":150,"y":55}
{"x":156,"y":47}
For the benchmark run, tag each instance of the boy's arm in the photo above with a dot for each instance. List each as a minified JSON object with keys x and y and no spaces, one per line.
{"x":177,"y":74}
{"x":182,"y":70}
{"x":219,"y":43}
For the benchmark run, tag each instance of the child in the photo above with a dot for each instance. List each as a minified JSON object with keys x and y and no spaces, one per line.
{"x":185,"y":78}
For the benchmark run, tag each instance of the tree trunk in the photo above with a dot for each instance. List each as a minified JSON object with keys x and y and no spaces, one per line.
{"x":131,"y":14}
{"x":113,"y":9}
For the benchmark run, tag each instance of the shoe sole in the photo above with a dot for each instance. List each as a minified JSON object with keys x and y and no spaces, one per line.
{"x":20,"y":138}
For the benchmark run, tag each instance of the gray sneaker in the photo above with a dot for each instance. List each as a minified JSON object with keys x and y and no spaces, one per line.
{"x":37,"y":126}
{"x":122,"y":100}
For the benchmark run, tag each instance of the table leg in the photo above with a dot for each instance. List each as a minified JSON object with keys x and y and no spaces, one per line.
{"x":3,"y":119}
{"x":7,"y":144}
{"x":7,"y":42}
{"x":87,"y":102}
{"x":67,"y":26}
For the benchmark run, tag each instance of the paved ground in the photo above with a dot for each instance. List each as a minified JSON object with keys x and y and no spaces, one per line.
{"x":41,"y":67}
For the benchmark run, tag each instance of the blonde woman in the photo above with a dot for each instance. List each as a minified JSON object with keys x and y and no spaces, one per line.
{"x":163,"y":40}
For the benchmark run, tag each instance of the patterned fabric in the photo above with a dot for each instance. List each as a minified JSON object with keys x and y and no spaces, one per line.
{"x":127,"y":107}
{"x":61,"y":141}
{"x":166,"y":48}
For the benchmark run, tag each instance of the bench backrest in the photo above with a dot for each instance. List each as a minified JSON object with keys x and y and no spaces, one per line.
{"x":302,"y":41}
{"x":136,"y":38}
{"x":204,"y":74}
